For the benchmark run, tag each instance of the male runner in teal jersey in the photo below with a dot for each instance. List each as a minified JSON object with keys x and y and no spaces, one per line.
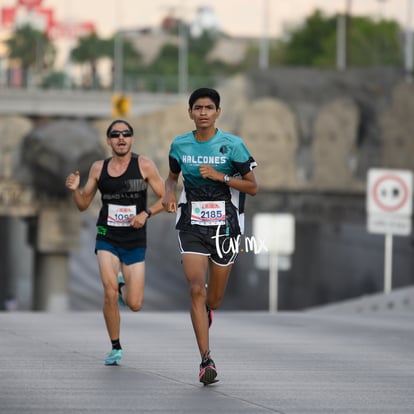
{"x":217,"y":171}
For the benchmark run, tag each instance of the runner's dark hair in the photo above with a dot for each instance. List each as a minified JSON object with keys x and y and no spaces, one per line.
{"x":204,"y":93}
{"x":116,"y":121}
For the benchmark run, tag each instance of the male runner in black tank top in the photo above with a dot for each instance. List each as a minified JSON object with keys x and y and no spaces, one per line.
{"x":121,"y":239}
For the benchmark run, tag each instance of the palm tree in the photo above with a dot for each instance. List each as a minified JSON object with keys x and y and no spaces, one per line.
{"x":32,"y":49}
{"x":89,"y":50}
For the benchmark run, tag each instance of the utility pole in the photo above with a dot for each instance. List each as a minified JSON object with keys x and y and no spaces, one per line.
{"x":118,"y":61}
{"x":409,"y":42}
{"x":264,"y":41}
{"x":381,"y":9}
{"x":118,"y":50}
{"x":342,"y":37}
{"x":183,"y":53}
{"x":69,"y":45}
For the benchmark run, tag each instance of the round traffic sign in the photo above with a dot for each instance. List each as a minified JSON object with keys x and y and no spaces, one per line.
{"x":390,"y":192}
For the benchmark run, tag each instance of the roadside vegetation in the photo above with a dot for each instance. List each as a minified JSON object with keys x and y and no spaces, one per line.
{"x":370,"y":42}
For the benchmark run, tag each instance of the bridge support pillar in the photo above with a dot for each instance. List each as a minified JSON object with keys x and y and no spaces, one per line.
{"x":55,"y":233}
{"x":50,"y":291}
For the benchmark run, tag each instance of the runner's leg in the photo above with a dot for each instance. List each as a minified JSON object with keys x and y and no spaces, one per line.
{"x":108,"y":268}
{"x":217,"y":283}
{"x":195,"y":269}
{"x":133,"y":291}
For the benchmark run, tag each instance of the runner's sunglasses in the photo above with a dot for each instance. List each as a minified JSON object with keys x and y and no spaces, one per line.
{"x":116,"y":134}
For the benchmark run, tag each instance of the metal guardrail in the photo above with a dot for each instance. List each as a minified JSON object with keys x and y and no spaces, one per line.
{"x":400,"y":299}
{"x":79,"y":104}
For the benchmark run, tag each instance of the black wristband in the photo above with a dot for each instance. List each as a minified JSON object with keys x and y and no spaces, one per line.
{"x":149,"y":212}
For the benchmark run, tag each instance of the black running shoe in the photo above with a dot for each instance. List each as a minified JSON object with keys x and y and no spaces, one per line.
{"x":208,"y":372}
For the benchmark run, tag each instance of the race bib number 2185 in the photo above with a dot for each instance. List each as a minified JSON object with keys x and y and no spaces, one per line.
{"x":208,"y":213}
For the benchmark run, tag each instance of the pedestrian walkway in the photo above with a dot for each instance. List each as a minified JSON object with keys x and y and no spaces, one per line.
{"x":268,"y":363}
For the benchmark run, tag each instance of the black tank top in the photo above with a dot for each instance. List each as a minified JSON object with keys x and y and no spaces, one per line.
{"x":122,"y":197}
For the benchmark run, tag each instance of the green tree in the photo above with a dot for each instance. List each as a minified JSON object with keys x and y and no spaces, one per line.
{"x":370,"y":42}
{"x":90,"y":49}
{"x":131,"y":62}
{"x":376,"y":43}
{"x":55,"y":80}
{"x":198,"y":50}
{"x":32,"y":49}
{"x":132,"y":58}
{"x":308,"y":43}
{"x":164,"y":69}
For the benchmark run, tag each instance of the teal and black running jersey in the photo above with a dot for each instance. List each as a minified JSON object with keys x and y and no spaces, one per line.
{"x":226,"y":153}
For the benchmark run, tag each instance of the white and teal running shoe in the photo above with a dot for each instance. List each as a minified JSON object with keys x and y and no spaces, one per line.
{"x":114,"y":357}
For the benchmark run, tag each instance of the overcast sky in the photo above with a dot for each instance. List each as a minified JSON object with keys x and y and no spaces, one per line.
{"x":238,"y":17}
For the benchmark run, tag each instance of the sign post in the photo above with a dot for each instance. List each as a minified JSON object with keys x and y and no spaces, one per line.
{"x":389,"y":209}
{"x":388,"y":263}
{"x":277,"y":232}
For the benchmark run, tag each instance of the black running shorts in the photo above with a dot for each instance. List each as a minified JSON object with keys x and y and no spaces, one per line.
{"x":221,"y":250}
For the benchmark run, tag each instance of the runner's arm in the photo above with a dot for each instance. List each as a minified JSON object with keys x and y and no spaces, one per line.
{"x":155,"y":181}
{"x":83,"y":197}
{"x":170,"y":201}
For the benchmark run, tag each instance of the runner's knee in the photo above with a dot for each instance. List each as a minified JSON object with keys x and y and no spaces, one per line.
{"x":214,"y":303}
{"x":110,"y":295}
{"x":135,"y":305}
{"x":197,"y":291}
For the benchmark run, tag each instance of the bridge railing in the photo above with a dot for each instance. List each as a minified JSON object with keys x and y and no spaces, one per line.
{"x":16,"y":78}
{"x":78,"y":103}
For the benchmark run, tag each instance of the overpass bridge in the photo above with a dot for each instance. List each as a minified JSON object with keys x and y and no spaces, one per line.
{"x":78,"y":103}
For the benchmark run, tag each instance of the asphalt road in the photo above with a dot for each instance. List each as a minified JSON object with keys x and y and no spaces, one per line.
{"x":267,"y":363}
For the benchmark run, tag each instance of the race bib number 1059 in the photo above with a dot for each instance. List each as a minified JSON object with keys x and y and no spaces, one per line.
{"x":208,"y":213}
{"x":119,"y":216}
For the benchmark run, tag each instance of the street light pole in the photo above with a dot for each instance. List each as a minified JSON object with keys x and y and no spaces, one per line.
{"x":381,"y":4}
{"x":69,"y":45}
{"x":341,"y":42}
{"x":409,"y":42}
{"x":264,"y":41}
{"x":118,"y":62}
{"x":342,"y":37}
{"x":118,"y":51}
{"x":183,"y":54}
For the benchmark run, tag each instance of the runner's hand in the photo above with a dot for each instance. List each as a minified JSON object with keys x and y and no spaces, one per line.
{"x":207,"y":171}
{"x":73,"y":181}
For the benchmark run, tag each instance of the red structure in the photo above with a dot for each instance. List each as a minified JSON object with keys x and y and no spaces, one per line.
{"x":30,"y":4}
{"x":52,"y":28}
